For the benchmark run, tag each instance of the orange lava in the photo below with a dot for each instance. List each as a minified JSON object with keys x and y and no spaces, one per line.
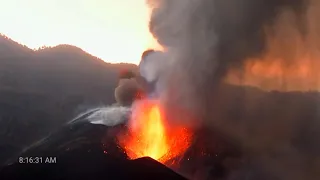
{"x":149,"y":134}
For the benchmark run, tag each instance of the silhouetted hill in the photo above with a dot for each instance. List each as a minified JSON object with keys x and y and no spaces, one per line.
{"x":41,"y":89}
{"x":11,"y":48}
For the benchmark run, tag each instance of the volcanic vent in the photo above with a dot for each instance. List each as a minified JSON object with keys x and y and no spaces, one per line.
{"x":150,"y":135}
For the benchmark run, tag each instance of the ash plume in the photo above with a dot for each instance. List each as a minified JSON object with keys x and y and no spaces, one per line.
{"x":204,"y":40}
{"x":152,"y":68}
{"x":126,"y":91}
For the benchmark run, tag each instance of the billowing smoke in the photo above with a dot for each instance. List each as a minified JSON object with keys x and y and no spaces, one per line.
{"x":204,"y":39}
{"x":126,"y":91}
{"x":153,"y":68}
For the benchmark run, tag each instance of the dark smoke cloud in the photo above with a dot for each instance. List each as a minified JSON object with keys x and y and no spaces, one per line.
{"x":127,"y":91}
{"x":206,"y":37}
{"x":224,"y":31}
{"x":203,"y":40}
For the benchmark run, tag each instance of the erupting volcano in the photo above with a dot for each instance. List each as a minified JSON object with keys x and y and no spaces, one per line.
{"x":149,"y":134}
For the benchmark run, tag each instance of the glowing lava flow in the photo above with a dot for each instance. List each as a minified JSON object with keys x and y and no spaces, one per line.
{"x":150,"y":135}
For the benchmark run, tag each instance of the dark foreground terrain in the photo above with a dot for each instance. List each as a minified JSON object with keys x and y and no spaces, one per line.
{"x":84,"y":151}
{"x":40,"y":90}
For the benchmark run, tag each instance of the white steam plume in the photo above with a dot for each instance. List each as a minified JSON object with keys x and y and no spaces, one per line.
{"x":110,"y":116}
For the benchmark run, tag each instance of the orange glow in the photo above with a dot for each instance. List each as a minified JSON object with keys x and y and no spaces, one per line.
{"x":290,"y":61}
{"x":149,"y":134}
{"x":274,"y":74}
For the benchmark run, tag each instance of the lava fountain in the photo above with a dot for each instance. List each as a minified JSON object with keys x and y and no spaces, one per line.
{"x":149,"y":134}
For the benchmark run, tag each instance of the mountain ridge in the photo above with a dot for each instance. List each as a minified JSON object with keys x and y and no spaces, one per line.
{"x":10,"y":43}
{"x":41,"y":89}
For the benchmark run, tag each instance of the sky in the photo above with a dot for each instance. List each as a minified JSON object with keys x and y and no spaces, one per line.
{"x":113,"y":30}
